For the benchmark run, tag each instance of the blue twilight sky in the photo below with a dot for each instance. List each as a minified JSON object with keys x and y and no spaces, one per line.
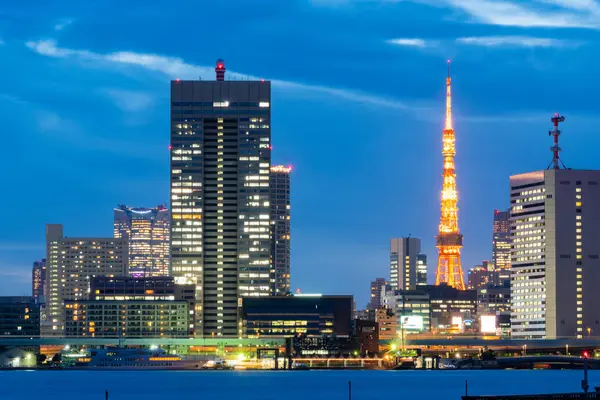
{"x":358,"y":98}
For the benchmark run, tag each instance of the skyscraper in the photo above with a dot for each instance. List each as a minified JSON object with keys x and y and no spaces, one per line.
{"x":501,"y":244}
{"x":280,"y":218}
{"x":220,"y":212}
{"x":556,"y":259}
{"x":406,"y":263}
{"x":555,"y":218}
{"x":449,"y":241}
{"x":147,"y":231}
{"x":38,"y":281}
{"x":72,"y":262}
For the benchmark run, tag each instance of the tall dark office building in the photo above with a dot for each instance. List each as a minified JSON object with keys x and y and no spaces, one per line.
{"x":280,"y":219}
{"x":38,"y":281}
{"x":220,"y":213}
{"x":377,"y":286}
{"x":147,"y":230}
{"x":501,"y":244}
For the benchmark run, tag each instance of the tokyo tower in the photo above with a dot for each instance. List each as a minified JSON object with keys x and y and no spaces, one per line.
{"x":449,"y":240}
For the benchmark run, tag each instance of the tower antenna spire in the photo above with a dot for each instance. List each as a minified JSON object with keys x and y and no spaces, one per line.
{"x":449,"y":240}
{"x":555,"y":149}
{"x":448,"y":100}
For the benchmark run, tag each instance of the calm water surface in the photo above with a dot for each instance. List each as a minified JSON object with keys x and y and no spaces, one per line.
{"x":273,"y":385}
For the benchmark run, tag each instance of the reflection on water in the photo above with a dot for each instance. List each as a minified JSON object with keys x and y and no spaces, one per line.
{"x":278,"y":385}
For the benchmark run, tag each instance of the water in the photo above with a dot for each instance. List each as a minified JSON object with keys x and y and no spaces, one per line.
{"x":281,"y":385}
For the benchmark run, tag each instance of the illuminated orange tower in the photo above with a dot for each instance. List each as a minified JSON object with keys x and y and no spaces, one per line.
{"x":449,"y":240}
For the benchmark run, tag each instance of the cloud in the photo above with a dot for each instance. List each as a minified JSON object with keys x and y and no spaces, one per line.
{"x":534,"y":13}
{"x":562,"y":14}
{"x":175,"y":67}
{"x":128,"y":100}
{"x":63,"y":24}
{"x":409,"y":42}
{"x":516,"y":41}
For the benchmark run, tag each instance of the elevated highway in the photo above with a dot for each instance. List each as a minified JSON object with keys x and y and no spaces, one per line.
{"x":465,"y":342}
{"x":18,"y":341}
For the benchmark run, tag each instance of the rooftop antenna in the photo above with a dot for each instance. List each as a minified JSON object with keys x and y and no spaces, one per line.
{"x":555,"y":149}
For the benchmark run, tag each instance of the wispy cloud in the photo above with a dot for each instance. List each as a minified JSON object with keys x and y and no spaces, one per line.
{"x":177,"y":68}
{"x":533,"y":13}
{"x":62,"y":24}
{"x":129,"y":100}
{"x":516,"y":41}
{"x":410,"y":42}
{"x":559,"y":14}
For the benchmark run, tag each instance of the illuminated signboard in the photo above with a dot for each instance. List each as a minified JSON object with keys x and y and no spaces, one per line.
{"x":487,"y":324}
{"x":411,"y":322}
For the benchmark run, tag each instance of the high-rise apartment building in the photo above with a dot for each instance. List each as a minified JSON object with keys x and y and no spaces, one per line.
{"x":501,"y":244}
{"x":38,"y":281}
{"x":407,"y":264}
{"x":555,"y":218}
{"x":280,"y":218}
{"x":220,"y":211}
{"x":147,"y":231}
{"x":72,"y":262}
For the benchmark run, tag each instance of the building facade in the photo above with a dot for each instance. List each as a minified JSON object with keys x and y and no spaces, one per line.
{"x":387,"y":323}
{"x":128,"y":318}
{"x":38,"y":281}
{"x":377,"y":288}
{"x":478,"y":277}
{"x":19,"y":316}
{"x":131,"y":288}
{"x":501,"y":242}
{"x":71,"y":264}
{"x":147,"y":231}
{"x":555,"y":230}
{"x":452,"y":310}
{"x":281,"y":230}
{"x":146,"y":307}
{"x":404,"y":258}
{"x":220,"y":212}
{"x":494,"y":300}
{"x":411,"y":308}
{"x":312,"y":315}
{"x":421,"y":270}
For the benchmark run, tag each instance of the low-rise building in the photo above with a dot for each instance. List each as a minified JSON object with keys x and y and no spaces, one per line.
{"x":19,"y":316}
{"x":452,"y":310}
{"x":387,"y":324}
{"x":411,"y":308}
{"x":128,"y":318}
{"x":133,"y":307}
{"x":494,"y":300}
{"x":284,"y":316}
